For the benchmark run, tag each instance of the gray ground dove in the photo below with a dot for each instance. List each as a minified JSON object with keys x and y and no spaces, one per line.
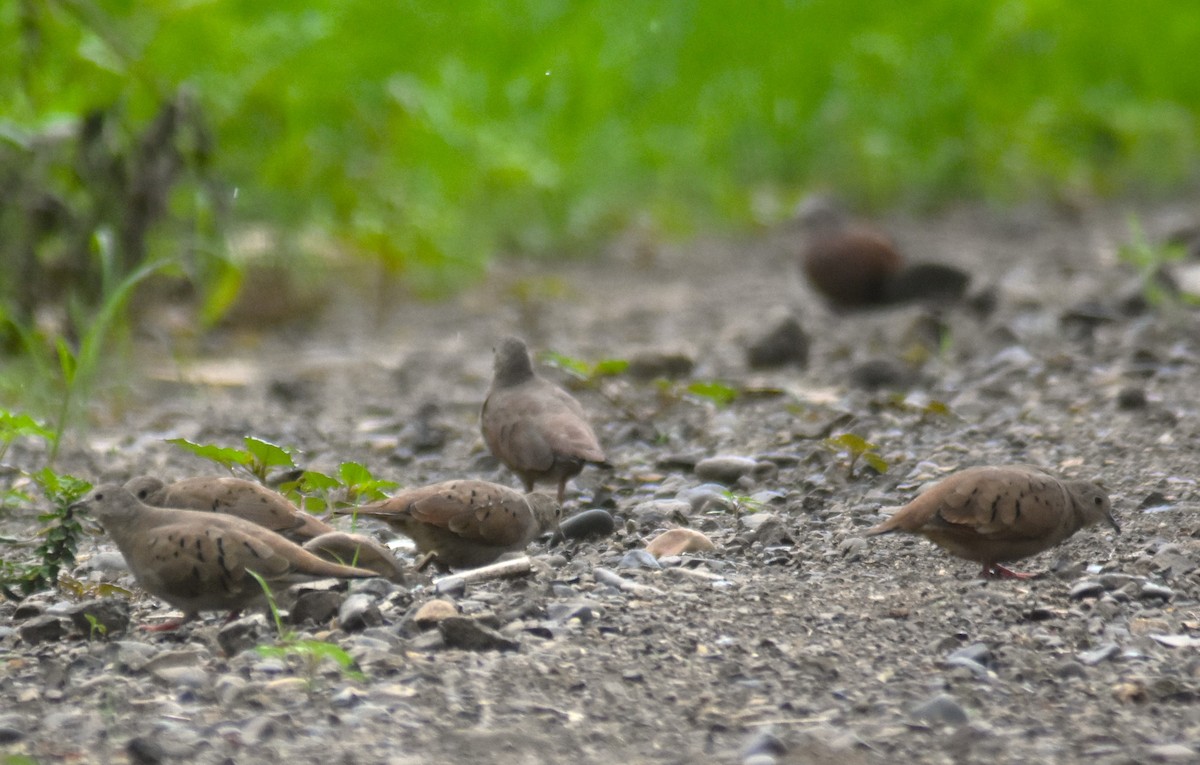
{"x":232,"y":496}
{"x":465,"y":524}
{"x":999,"y":514}
{"x":199,"y":561}
{"x":533,"y":426}
{"x":357,"y":550}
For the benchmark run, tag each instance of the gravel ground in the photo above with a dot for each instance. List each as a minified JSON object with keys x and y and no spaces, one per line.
{"x":796,"y":640}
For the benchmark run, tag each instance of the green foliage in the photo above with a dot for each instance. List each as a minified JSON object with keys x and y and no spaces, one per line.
{"x":431,"y":137}
{"x":586,"y":372}
{"x":1151,"y":261}
{"x":60,"y":536}
{"x":716,"y":392}
{"x":310,"y":488}
{"x":258,"y":459}
{"x":856,"y":447}
{"x":311,"y":652}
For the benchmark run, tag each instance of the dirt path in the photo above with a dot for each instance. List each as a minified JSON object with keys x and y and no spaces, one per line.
{"x":797,"y":640}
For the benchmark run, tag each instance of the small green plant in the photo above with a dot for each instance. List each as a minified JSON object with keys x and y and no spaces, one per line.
{"x":312,"y":653}
{"x":717,"y":392}
{"x":95,"y":627}
{"x":60,"y":537}
{"x":1150,"y":261}
{"x":857,"y":448}
{"x":258,"y":459}
{"x":588,"y":373}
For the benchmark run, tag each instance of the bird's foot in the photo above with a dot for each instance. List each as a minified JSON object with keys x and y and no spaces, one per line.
{"x":996,"y":571}
{"x":424,"y":561}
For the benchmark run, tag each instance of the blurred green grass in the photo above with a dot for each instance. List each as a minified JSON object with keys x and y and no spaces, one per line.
{"x":436,"y":136}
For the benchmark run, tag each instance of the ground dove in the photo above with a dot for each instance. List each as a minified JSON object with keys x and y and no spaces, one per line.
{"x":534,"y":427}
{"x":465,"y":524}
{"x":856,"y":266}
{"x":200,"y":561}
{"x":996,"y":514}
{"x":232,"y":496}
{"x":357,"y":550}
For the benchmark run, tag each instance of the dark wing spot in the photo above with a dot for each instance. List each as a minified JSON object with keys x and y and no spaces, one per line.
{"x":1018,"y":508}
{"x":995,"y":504}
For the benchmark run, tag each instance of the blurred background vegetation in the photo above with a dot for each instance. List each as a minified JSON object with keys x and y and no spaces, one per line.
{"x":139,"y":139}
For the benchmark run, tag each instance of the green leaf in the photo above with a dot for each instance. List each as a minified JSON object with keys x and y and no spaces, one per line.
{"x":610,"y":368}
{"x":879,"y":464}
{"x":221,"y":455}
{"x":354,"y":474}
{"x":850,"y":442}
{"x":572,"y":366}
{"x":268,"y":454}
{"x":719,"y":393}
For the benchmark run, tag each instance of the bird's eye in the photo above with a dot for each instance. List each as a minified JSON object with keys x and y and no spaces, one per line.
{"x":99,"y":497}
{"x":1099,"y":501}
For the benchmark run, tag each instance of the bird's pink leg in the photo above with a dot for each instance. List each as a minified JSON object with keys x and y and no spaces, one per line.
{"x":996,"y":571}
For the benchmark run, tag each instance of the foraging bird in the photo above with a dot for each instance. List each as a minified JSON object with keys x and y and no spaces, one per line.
{"x":465,"y":524}
{"x":232,"y":496}
{"x":533,"y":426}
{"x":359,"y":551}
{"x":855,"y":266}
{"x":201,"y":561}
{"x":998,"y":514}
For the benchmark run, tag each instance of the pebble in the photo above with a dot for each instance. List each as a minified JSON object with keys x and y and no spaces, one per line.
{"x":12,"y":728}
{"x":107,"y":562}
{"x":1088,"y":588}
{"x":784,"y":343}
{"x":657,"y":512}
{"x":315,"y":606}
{"x":43,"y":629}
{"x":359,"y":612}
{"x":639,"y":559}
{"x":652,"y":364}
{"x":589,"y":523}
{"x":111,"y":616}
{"x":1151,"y":590}
{"x":1173,"y":753}
{"x":706,"y":498}
{"x":727,"y":469}
{"x":874,"y":374}
{"x":242,"y":634}
{"x":585,"y":611}
{"x":193,"y":678}
{"x":1096,"y":655}
{"x":433,"y":612}
{"x":378,"y":587}
{"x":678,"y":542}
{"x":347,"y":697}
{"x":942,"y":709}
{"x":470,"y":635}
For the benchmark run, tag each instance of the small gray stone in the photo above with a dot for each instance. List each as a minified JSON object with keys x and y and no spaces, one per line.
{"x":470,"y":635}
{"x":1172,"y":753}
{"x":359,"y":612}
{"x":589,"y":523}
{"x":243,"y":634}
{"x":727,"y":469}
{"x":651,"y":364}
{"x":657,"y":512}
{"x":707,"y":497}
{"x":1095,"y":656}
{"x":784,"y":343}
{"x":193,"y":678}
{"x":12,"y":728}
{"x":316,"y":606}
{"x":112,"y":562}
{"x":347,"y":697}
{"x":976,"y":652}
{"x":1088,"y":588}
{"x":584,"y":610}
{"x":42,"y":629}
{"x":639,"y":559}
{"x":942,"y":709}
{"x":378,"y":587}
{"x":1150,"y":590}
{"x":111,"y":616}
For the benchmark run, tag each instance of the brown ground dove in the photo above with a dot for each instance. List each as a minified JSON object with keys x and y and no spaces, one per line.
{"x":199,"y":561}
{"x":232,"y":496}
{"x":997,"y":514}
{"x":465,"y":524}
{"x":856,"y":266}
{"x":357,"y":550}
{"x":533,"y":426}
